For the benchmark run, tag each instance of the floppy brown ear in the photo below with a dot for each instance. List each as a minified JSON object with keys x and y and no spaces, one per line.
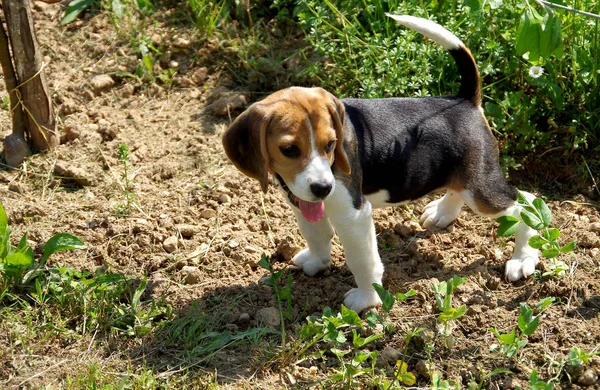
{"x":245,"y":144}
{"x":338,"y":113}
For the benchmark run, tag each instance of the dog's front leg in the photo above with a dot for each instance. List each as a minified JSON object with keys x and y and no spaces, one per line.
{"x":357,"y":233}
{"x":318,"y":235}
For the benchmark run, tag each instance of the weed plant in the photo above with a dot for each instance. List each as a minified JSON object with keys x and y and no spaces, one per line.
{"x":537,"y":215}
{"x":511,"y":343}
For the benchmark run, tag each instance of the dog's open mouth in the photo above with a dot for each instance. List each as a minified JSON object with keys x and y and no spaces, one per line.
{"x":312,"y":211}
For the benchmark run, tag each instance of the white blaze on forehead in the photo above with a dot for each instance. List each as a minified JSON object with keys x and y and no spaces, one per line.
{"x":316,"y":171}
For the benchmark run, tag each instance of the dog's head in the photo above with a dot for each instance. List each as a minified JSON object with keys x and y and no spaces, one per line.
{"x":297,"y":135}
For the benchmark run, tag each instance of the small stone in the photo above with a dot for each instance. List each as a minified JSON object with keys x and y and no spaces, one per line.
{"x":402,"y":230}
{"x":595,"y":227}
{"x":208,"y":214}
{"x":423,"y":368}
{"x":101,"y":82}
{"x":493,"y":283}
{"x":79,"y":175}
{"x":233,"y":244}
{"x":170,"y":244}
{"x":71,"y":133}
{"x":228,"y":103}
{"x":173,"y":64}
{"x":224,"y":198}
{"x":16,"y":187}
{"x":589,"y":240}
{"x":269,"y":316}
{"x":243,"y":318}
{"x":126,"y":91}
{"x":286,"y":248}
{"x":588,"y":378}
{"x":181,"y":42}
{"x":186,"y":231}
{"x":510,"y":384}
{"x":250,"y":249}
{"x":388,"y":356}
{"x":192,"y":274}
{"x":200,"y":76}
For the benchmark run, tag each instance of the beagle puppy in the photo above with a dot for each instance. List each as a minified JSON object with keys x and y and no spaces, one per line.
{"x":337,"y":159}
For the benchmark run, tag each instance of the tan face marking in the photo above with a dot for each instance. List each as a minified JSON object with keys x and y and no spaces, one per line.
{"x":299,"y":135}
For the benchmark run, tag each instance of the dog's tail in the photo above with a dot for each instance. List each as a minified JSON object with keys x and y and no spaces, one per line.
{"x":470,"y":88}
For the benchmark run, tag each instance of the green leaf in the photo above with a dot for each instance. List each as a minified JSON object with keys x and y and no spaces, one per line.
{"x":508,"y":225}
{"x":408,"y":378}
{"x":138,"y":294}
{"x":61,"y":242}
{"x":532,"y":326}
{"x":403,"y":297}
{"x":537,"y":242}
{"x":264,"y":262}
{"x":550,"y":252}
{"x":373,"y":318}
{"x":543,"y":211}
{"x":15,"y":264}
{"x":3,"y":221}
{"x":74,"y":9}
{"x":550,"y":38}
{"x":474,"y":5}
{"x":545,"y":303}
{"x":551,"y":234}
{"x":528,"y":35}
{"x":532,"y":220}
{"x":569,"y":247}
{"x":507,"y":338}
{"x":525,"y":317}
{"x":386,"y":297}
{"x":350,"y":317}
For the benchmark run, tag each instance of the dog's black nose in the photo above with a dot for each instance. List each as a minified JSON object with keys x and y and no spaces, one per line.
{"x":320,"y":190}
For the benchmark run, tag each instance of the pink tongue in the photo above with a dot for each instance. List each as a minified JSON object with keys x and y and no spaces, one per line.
{"x":312,"y":211}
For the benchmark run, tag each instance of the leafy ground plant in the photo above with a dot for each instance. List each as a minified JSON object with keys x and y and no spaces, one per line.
{"x":388,"y":300}
{"x":17,"y":265}
{"x":510,"y":343}
{"x":99,"y":301}
{"x":537,"y":215}
{"x":123,"y":209}
{"x":444,"y":292}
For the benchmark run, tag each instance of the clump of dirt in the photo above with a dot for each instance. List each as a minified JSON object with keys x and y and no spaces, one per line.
{"x":198,"y":227}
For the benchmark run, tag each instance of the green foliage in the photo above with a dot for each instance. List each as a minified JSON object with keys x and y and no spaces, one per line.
{"x":537,"y":215}
{"x":123,"y":209}
{"x":118,"y":7}
{"x":364,"y":54}
{"x":537,"y":384}
{"x":336,"y":334}
{"x":448,"y":314}
{"x":17,"y":265}
{"x":388,"y":300}
{"x":527,"y":324}
{"x":97,"y":301}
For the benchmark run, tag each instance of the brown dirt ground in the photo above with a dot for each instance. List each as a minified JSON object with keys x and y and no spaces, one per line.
{"x":186,"y":188}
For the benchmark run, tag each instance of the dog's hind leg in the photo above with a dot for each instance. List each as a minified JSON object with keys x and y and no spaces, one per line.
{"x":318,"y":235}
{"x":442,"y":212}
{"x":525,"y":258}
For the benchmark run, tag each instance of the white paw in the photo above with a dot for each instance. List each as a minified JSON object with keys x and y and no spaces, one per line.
{"x":517,"y":268}
{"x":359,"y":299}
{"x":310,"y":264}
{"x":440,"y":213}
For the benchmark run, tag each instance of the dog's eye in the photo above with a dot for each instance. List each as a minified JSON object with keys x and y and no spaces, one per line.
{"x":329,"y":146}
{"x":291,"y":151}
